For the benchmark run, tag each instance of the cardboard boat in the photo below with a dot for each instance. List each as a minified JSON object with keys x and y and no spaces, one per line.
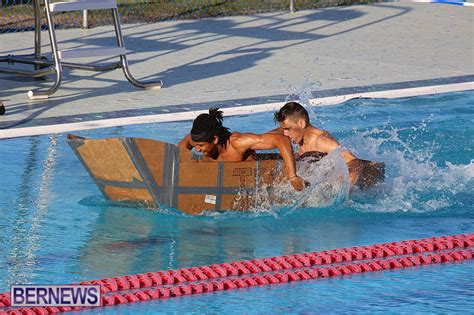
{"x":153,"y":173}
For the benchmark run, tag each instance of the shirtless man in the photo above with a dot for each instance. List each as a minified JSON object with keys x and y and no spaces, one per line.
{"x":217,"y":143}
{"x":311,"y":141}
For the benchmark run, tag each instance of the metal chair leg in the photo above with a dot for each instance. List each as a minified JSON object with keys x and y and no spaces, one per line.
{"x":45,"y":93}
{"x":41,"y":68}
{"x":153,"y":85}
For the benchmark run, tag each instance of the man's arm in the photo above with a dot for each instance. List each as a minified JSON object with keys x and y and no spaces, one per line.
{"x":270,"y":141}
{"x":186,"y":143}
{"x":326,"y":143}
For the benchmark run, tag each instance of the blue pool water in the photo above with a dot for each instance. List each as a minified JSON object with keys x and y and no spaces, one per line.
{"x":55,"y":227}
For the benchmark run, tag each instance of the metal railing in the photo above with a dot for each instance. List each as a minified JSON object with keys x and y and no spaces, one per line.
{"x":19,"y":15}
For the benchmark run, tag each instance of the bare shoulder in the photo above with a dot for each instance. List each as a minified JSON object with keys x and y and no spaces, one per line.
{"x":235,"y":135}
{"x":314,"y":134}
{"x":326,"y":142}
{"x":238,"y":139}
{"x":325,"y":136}
{"x":266,"y":141}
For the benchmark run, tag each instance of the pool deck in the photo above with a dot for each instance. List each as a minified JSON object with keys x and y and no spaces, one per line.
{"x":249,"y":60}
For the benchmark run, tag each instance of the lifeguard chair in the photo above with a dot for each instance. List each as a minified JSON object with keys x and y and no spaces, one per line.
{"x":60,"y":57}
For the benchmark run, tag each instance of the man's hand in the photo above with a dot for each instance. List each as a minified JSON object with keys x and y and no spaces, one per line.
{"x":186,"y":143}
{"x":297,"y":183}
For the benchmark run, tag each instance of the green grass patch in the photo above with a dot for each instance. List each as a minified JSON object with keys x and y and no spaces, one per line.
{"x":20,"y":17}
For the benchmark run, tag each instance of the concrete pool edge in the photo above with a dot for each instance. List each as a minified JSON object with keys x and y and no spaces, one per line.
{"x":232,"y":108}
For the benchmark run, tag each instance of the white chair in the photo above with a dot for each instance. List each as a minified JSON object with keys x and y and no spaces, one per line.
{"x":60,"y":55}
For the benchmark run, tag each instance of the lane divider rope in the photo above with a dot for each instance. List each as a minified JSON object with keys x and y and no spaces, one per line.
{"x":279,"y":269}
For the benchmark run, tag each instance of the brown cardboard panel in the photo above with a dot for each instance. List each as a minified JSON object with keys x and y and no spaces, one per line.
{"x":239,"y":174}
{"x":236,"y":202}
{"x":128,"y":194}
{"x":194,"y":203}
{"x":271,"y":172}
{"x":185,"y":155}
{"x":198,"y":174}
{"x":107,"y":159}
{"x":153,"y":153}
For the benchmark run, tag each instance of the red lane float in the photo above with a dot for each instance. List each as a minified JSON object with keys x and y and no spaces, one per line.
{"x":326,"y":257}
{"x":270,"y":271}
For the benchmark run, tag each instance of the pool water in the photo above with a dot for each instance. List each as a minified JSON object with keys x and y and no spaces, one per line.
{"x":56,"y":228}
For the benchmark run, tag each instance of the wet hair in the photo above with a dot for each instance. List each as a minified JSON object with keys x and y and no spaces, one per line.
{"x":206,"y":126}
{"x":291,"y":110}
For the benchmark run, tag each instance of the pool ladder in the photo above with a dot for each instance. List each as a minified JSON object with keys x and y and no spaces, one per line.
{"x":60,"y":55}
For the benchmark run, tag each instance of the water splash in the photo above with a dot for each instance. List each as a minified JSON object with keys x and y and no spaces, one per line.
{"x":415,"y":182}
{"x":327,"y":185}
{"x":303,"y":94}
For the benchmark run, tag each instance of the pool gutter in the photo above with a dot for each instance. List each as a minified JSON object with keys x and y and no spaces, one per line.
{"x":190,"y":113}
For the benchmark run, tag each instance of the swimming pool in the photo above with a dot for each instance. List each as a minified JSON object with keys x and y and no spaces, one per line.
{"x":57,"y":228}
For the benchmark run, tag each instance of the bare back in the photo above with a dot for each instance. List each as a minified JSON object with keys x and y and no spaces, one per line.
{"x":235,"y":151}
{"x":321,"y":141}
{"x":314,"y":140}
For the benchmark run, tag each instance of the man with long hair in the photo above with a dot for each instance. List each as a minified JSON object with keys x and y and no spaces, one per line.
{"x":218,"y":143}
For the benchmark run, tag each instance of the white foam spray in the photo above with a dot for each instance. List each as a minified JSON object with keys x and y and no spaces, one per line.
{"x":414,"y":181}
